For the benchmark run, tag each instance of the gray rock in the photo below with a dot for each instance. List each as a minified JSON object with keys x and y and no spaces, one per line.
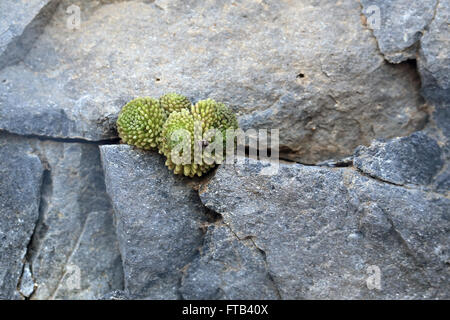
{"x":20,"y":188}
{"x":415,"y":159}
{"x":73,"y":190}
{"x":116,"y":295}
{"x":434,"y":58}
{"x":228,"y":268}
{"x":27,"y":285}
{"x":400,"y":25}
{"x":95,"y":266}
{"x":325,"y":230}
{"x":308,"y":68}
{"x":159,"y":218}
{"x":21,"y":22}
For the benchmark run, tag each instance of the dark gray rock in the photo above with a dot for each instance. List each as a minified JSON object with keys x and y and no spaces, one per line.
{"x":227,"y":268}
{"x":415,"y":159}
{"x":324,"y":230}
{"x":75,"y":217}
{"x":158,"y":216}
{"x":308,"y":68}
{"x":21,"y":22}
{"x":401,"y":25}
{"x":20,"y":188}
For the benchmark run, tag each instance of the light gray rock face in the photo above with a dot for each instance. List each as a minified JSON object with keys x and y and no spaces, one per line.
{"x":74,"y":253}
{"x":21,"y":22}
{"x":309,"y":68}
{"x":26,"y":286}
{"x":398,"y":25}
{"x":415,"y":159}
{"x":159,"y":218}
{"x":326,"y":232}
{"x":20,"y":188}
{"x":228,"y":268}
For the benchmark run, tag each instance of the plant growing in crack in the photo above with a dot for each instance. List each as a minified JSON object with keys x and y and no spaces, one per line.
{"x":193,"y":138}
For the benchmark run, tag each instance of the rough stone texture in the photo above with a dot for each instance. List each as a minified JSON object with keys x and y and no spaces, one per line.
{"x":26,"y":286}
{"x":228,"y":268}
{"x":313,"y":69}
{"x":279,"y":64}
{"x":20,"y":187}
{"x":95,"y":266}
{"x":322,"y":228}
{"x":434,"y":59}
{"x":415,"y":159}
{"x":58,"y":231}
{"x":116,"y":295}
{"x":401,"y":25}
{"x":72,"y":190}
{"x":158,"y":216}
{"x":21,"y":22}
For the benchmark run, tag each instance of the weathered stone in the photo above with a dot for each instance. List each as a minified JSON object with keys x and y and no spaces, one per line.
{"x":324,"y":230}
{"x":21,"y":22}
{"x":95,"y":266}
{"x":415,"y":159}
{"x":309,"y":68}
{"x":116,"y":295}
{"x":72,"y":190}
{"x":434,"y":58}
{"x":398,"y":25}
{"x":20,"y":188}
{"x":158,"y":216}
{"x":27,"y":285}
{"x":227,"y":268}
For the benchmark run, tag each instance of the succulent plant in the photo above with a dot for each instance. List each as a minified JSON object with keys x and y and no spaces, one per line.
{"x":140,"y":123}
{"x":178,"y":129}
{"x":174,"y":102}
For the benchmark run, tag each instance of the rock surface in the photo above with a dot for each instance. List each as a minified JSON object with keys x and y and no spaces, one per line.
{"x":95,"y":266}
{"x":398,"y":25}
{"x":323,"y":229}
{"x":415,"y":159}
{"x":159,"y":218}
{"x":434,"y":58}
{"x":21,"y":22}
{"x":279,"y":64}
{"x":73,"y":189}
{"x":228,"y":268}
{"x":369,"y":224}
{"x":72,"y":231}
{"x":20,"y":188}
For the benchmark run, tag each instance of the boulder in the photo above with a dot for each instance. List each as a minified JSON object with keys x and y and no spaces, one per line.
{"x":332,"y":233}
{"x":279,"y":65}
{"x":159,"y":218}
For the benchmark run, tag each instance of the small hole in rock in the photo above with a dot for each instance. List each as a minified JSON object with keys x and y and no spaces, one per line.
{"x":300,"y":75}
{"x":157,"y":79}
